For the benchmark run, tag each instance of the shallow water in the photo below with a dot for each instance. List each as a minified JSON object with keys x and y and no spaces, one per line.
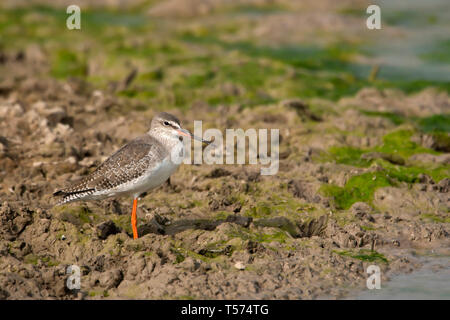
{"x":432,"y":281}
{"x":420,"y":48}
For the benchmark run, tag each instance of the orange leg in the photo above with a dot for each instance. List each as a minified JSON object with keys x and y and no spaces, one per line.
{"x":134,"y":219}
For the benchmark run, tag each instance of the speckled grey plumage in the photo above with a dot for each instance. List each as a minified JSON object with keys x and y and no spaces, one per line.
{"x":124,"y":166}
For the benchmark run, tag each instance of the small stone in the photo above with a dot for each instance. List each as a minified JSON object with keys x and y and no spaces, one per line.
{"x":63,"y":237}
{"x":87,"y":162}
{"x":62,"y":129}
{"x":49,"y":138}
{"x":71,"y":160}
{"x":239,"y":265}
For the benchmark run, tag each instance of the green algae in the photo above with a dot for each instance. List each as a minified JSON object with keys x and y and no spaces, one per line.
{"x":46,"y":260}
{"x":77,"y":215}
{"x":358,"y":188}
{"x":396,"y":144}
{"x":399,"y":142}
{"x":66,"y":63}
{"x":347,"y":155}
{"x":411,"y":174}
{"x":435,"y":123}
{"x":280,"y":236}
{"x":31,"y":259}
{"x":391,"y":156}
{"x":262,"y":210}
{"x":362,"y":187}
{"x":123,"y":222}
{"x":395,"y":118}
{"x":179,"y":257}
{"x":441,"y":141}
{"x":363,"y":255}
{"x":434,"y":218}
{"x":49,"y":262}
{"x":368,"y":228}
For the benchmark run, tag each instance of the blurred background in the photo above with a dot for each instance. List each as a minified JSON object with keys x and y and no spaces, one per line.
{"x":251,"y":52}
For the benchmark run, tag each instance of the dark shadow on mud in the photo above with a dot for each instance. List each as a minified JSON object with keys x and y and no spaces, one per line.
{"x":297,"y":229}
{"x":155,"y":225}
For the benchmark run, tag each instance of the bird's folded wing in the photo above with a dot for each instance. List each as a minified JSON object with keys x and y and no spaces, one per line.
{"x":125,"y":165}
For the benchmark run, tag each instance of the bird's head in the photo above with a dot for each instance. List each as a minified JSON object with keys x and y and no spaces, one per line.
{"x":169,"y":126}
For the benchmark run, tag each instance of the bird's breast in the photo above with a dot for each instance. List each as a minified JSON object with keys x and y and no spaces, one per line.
{"x":156,"y":174}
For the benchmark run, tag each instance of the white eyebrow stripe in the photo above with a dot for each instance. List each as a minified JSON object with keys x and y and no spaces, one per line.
{"x":172,"y":124}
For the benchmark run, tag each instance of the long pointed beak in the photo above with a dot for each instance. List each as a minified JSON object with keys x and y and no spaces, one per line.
{"x":186,"y":133}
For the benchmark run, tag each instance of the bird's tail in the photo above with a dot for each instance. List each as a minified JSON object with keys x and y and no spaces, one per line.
{"x":71,"y":195}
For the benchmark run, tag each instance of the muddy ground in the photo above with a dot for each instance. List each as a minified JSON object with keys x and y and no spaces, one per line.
{"x":363,"y":179}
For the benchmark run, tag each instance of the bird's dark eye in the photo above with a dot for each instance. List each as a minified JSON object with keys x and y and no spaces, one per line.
{"x":166,"y":123}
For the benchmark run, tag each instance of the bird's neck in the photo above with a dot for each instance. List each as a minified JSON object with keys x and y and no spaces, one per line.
{"x":165,"y":138}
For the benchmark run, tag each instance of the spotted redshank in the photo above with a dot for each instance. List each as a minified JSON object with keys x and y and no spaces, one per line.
{"x":139,"y":166}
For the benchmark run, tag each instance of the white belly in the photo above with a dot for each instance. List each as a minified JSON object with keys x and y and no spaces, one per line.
{"x":150,"y":180}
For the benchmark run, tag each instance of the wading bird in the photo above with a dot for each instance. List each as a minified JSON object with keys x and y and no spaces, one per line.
{"x":139,"y":166}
